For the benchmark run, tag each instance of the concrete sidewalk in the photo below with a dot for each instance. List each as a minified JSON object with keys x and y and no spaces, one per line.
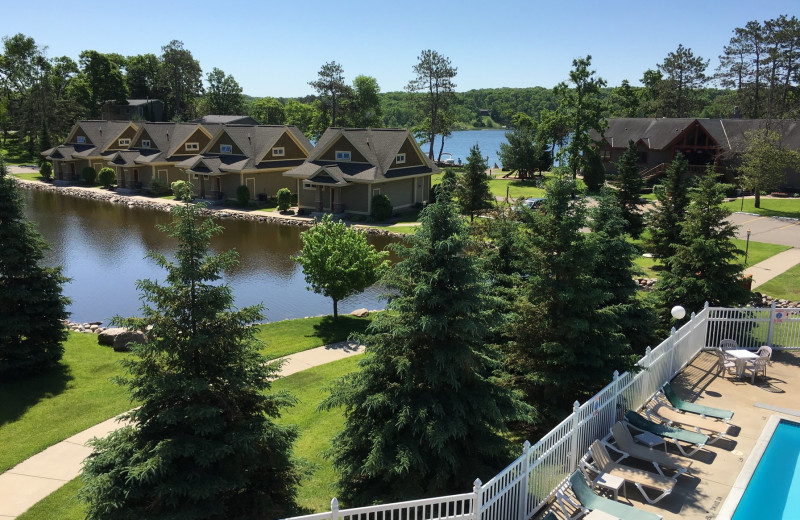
{"x":32,"y":480}
{"x":773,"y":266}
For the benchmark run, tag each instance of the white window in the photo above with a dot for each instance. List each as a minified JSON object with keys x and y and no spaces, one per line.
{"x":145,"y":143}
{"x":124,"y":142}
{"x":81,"y":139}
{"x":309,"y":186}
{"x":162,"y":174}
{"x":400,"y":158}
{"x":195,"y":176}
{"x":192,"y":147}
{"x":342,"y":155}
{"x":376,"y":191}
{"x":278,"y":151}
{"x":225,"y":148}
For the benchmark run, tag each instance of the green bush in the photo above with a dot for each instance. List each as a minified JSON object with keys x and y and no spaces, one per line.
{"x":181,"y":189}
{"x":46,"y":170}
{"x":88,"y":175}
{"x":381,"y":207}
{"x":659,"y":190}
{"x":158,"y":188}
{"x":243,"y":195}
{"x":107,"y":177}
{"x":594,"y":175}
{"x":284,"y":199}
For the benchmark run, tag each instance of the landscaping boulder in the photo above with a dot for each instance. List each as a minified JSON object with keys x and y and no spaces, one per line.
{"x":129,"y":336}
{"x":107,"y":336}
{"x":360,"y":313}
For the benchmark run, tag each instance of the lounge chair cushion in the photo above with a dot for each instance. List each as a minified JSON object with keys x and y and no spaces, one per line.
{"x":708,"y":411}
{"x":689,"y":419}
{"x":624,"y":441}
{"x":590,"y":500}
{"x":665,"y":431}
{"x":634,"y":475}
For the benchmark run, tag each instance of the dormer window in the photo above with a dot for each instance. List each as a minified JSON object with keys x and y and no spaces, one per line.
{"x":124,"y":142}
{"x":81,"y":139}
{"x":400,"y":158}
{"x":192,"y":147}
{"x":278,"y":151}
{"x":145,"y":143}
{"x":225,"y":148}
{"x":342,"y":155}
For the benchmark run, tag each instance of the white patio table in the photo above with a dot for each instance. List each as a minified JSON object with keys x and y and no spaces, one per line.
{"x":741,"y":357}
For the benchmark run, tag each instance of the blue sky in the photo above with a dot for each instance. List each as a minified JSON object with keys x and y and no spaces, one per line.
{"x":275,"y":48}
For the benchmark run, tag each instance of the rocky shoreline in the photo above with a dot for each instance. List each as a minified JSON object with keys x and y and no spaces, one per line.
{"x":165,"y":205}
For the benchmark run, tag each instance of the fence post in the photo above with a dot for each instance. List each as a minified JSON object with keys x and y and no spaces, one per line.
{"x":476,"y":508}
{"x":672,"y":347}
{"x":523,"y":496}
{"x":575,"y":420}
{"x":334,"y":509}
{"x":771,"y":330}
{"x":617,"y":414}
{"x":648,"y":374}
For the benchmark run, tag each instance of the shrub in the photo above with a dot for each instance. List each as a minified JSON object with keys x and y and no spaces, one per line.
{"x":179,"y":188}
{"x":88,"y":175}
{"x":107,"y":177}
{"x":284,"y":199}
{"x":46,"y":171}
{"x":158,"y":188}
{"x":659,"y":190}
{"x":381,"y":207}
{"x":242,"y":195}
{"x":594,"y":174}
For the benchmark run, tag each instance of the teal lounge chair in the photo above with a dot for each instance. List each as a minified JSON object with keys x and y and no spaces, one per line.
{"x":589,"y":502}
{"x":707,"y":411}
{"x":699,"y":440}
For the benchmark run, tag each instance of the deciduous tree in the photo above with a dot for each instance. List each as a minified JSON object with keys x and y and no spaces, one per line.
{"x":180,"y":79}
{"x":765,"y":162}
{"x":224,"y":95}
{"x":365,"y":105}
{"x":105,"y":79}
{"x":268,"y":111}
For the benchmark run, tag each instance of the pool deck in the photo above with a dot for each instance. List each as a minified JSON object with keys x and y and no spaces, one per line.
{"x":699,"y":495}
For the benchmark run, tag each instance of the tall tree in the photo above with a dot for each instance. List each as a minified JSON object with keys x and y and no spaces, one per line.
{"x":365,"y":106}
{"x":31,"y":331}
{"x":624,"y":101}
{"x":473,"y":186}
{"x":20,"y":69}
{"x":685,"y":75}
{"x":582,"y":108}
{"x":268,"y":111}
{"x":703,"y":267}
{"x":630,"y":184}
{"x":765,"y":161}
{"x":337,"y":261}
{"x":105,"y":79}
{"x":203,"y":442}
{"x":305,"y":116}
{"x":180,"y":79}
{"x":434,"y":79}
{"x":332,"y":89}
{"x":224,"y":95}
{"x":425,"y":414}
{"x":141,"y":76}
{"x":665,"y":220}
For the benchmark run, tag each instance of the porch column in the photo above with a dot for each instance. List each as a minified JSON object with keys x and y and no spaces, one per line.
{"x":318,"y":200}
{"x":338,"y":207}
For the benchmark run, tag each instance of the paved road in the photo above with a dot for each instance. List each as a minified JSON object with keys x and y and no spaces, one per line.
{"x":767,"y":229}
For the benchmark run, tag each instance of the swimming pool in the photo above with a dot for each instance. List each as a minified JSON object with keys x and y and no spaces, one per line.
{"x":770,"y":491}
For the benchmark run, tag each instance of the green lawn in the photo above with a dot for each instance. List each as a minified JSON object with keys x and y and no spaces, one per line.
{"x":37,"y":413}
{"x":282,"y":338}
{"x":789,"y":207}
{"x":32,"y":176}
{"x":406,"y":230}
{"x":786,"y":285}
{"x":517,"y":189}
{"x":316,"y":430}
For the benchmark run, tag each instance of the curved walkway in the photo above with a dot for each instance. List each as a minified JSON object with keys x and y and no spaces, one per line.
{"x":32,"y":480}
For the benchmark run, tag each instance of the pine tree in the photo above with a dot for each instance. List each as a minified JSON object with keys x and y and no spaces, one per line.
{"x":425,"y":415}
{"x":664,"y":221}
{"x":33,"y":306}
{"x":473,"y":188}
{"x":630,"y":183}
{"x":702,"y":268}
{"x":203,"y":442}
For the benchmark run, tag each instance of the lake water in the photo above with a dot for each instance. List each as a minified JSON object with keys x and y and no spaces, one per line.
{"x":459,"y":143}
{"x":102,"y":247}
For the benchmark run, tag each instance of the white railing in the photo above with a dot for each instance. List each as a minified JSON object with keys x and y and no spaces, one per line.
{"x":530,"y":481}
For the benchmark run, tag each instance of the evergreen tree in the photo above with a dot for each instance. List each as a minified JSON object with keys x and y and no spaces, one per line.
{"x":203,"y":442}
{"x":566,"y":342}
{"x":473,"y":188}
{"x":702,"y":268}
{"x":425,"y":414}
{"x":665,"y":220}
{"x":594,"y":175}
{"x":630,"y":184}
{"x":31,"y":331}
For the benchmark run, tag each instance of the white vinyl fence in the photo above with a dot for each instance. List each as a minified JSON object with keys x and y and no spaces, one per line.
{"x":529,"y":482}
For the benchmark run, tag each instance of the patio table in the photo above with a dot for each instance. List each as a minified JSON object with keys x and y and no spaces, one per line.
{"x":741,"y":357}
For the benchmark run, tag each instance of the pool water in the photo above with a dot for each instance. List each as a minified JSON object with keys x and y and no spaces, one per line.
{"x":774,"y":490}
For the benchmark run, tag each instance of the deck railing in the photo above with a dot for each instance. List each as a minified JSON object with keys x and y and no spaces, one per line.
{"x":530,"y":481}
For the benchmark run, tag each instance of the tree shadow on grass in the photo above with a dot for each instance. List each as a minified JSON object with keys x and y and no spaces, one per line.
{"x":330,"y":331}
{"x":17,"y":396}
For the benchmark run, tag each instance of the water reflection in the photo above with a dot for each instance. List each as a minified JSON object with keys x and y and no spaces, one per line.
{"x":102,"y":247}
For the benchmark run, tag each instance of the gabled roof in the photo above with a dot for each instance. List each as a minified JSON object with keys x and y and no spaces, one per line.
{"x":124,"y":157}
{"x":100,"y":133}
{"x":255,"y":142}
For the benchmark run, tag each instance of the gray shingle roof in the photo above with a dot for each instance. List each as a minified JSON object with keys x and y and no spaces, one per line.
{"x":102,"y":133}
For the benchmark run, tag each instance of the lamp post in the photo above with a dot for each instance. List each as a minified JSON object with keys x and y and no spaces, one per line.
{"x":747,"y":247}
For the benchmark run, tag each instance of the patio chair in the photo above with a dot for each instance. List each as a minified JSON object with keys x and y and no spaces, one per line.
{"x":677,"y":435}
{"x":765,"y":351}
{"x":672,"y":417}
{"x":757,"y":366}
{"x":705,"y":411}
{"x":724,"y":364}
{"x":589,"y":501}
{"x":627,"y":447}
{"x":728,"y":343}
{"x":603,"y":463}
